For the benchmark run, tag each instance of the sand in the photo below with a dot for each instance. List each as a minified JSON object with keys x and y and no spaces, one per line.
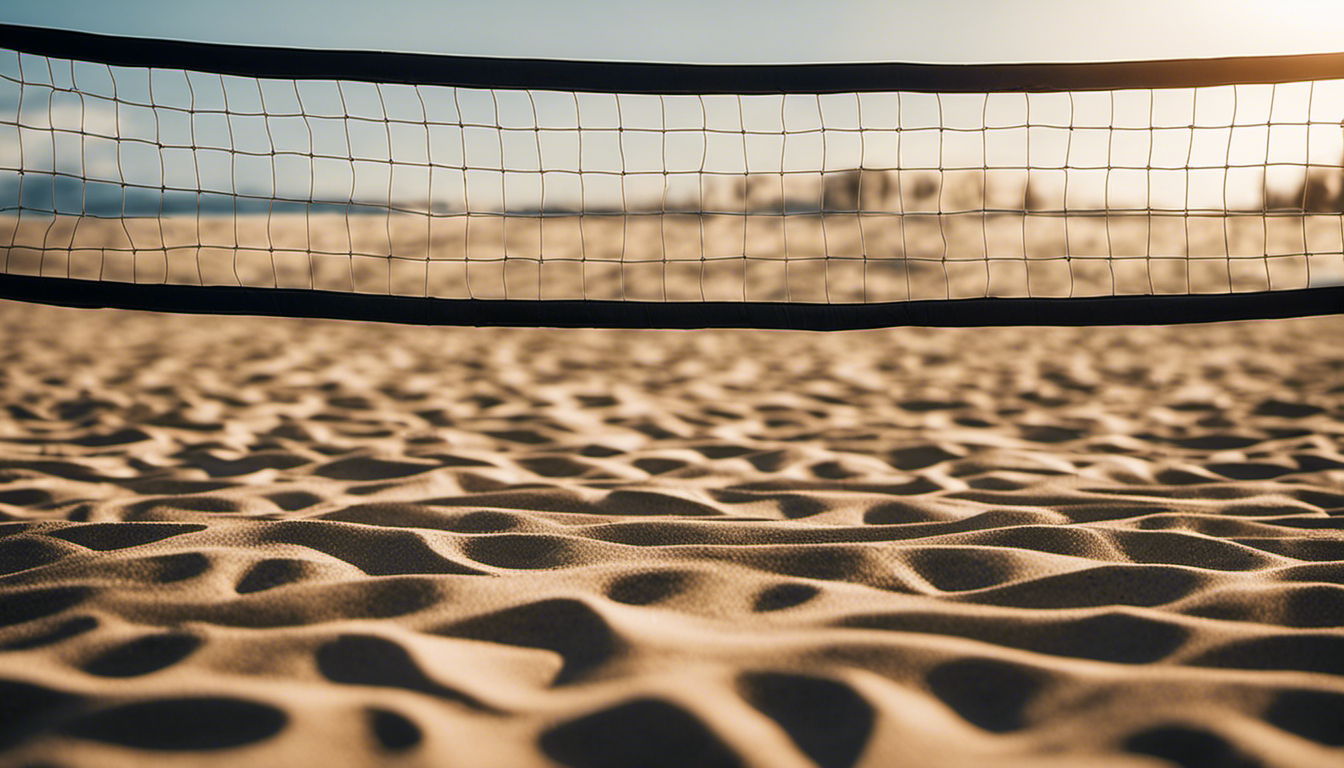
{"x":677,"y":257}
{"x":239,"y":541}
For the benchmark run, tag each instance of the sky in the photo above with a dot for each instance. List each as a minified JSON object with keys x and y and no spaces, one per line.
{"x":91,"y":135}
{"x":722,"y":31}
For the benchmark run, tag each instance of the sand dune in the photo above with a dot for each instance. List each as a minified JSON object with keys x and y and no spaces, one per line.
{"x":232,"y":541}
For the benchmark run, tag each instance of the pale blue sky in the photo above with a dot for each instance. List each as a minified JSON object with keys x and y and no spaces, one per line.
{"x":83,"y":129}
{"x":730,"y":30}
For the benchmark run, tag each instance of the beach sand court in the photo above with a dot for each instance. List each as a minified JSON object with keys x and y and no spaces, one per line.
{"x":242,"y":541}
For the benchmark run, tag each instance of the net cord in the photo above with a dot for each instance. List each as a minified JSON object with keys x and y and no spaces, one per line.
{"x":662,"y":78}
{"x":589,"y":313}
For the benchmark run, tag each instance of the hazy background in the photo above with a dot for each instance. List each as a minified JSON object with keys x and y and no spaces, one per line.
{"x":582,"y":161}
{"x":734,"y":31}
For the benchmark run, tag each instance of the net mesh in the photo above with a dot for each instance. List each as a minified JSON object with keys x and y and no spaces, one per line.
{"x":170,"y":176}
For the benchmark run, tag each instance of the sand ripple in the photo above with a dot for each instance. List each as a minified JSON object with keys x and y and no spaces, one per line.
{"x":233,"y":540}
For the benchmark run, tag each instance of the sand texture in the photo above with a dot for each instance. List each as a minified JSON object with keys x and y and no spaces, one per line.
{"x":247,"y":542}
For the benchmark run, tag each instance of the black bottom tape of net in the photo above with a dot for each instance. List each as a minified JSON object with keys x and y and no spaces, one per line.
{"x":287,"y":302}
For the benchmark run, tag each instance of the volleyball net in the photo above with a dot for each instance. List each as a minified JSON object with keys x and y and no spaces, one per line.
{"x":417,"y":188}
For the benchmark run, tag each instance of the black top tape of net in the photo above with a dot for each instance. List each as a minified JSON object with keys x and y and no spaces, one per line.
{"x":414,"y":310}
{"x":660,"y":78}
